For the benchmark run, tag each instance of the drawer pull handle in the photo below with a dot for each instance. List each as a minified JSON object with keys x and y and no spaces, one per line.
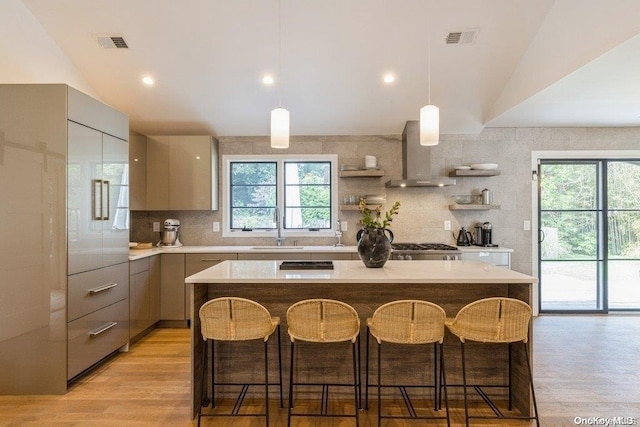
{"x":102,"y":288}
{"x":102,"y":329}
{"x":210,"y":259}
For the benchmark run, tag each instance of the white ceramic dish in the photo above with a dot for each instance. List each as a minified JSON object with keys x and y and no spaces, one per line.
{"x":463,"y":168}
{"x":484,"y":166}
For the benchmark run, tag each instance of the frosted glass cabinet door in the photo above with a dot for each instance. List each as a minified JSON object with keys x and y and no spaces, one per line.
{"x":115,"y":183}
{"x":85,"y":194}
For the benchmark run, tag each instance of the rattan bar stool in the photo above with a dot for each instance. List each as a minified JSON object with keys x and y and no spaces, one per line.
{"x":494,"y":320}
{"x":409,"y":322}
{"x":324,"y":321}
{"x":238,"y":319}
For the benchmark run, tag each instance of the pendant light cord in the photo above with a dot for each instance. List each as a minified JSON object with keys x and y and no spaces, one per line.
{"x":428,"y":59}
{"x":279,"y":53}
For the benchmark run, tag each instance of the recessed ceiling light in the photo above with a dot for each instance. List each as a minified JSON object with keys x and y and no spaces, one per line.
{"x":148,"y":80}
{"x":268,"y":80}
{"x":389,"y":78}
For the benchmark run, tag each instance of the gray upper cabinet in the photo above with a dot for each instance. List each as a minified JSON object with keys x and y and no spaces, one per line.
{"x":181,"y":173}
{"x":137,"y":171}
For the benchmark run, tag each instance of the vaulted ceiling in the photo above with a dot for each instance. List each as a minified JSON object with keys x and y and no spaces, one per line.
{"x":531,"y":63}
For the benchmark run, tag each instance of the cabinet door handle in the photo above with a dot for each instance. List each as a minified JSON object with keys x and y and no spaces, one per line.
{"x":210,"y":259}
{"x":103,"y":328}
{"x":96,"y":192}
{"x":102,"y":288}
{"x":108,"y":185}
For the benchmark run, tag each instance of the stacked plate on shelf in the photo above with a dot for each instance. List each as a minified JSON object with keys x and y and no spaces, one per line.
{"x":375,"y":199}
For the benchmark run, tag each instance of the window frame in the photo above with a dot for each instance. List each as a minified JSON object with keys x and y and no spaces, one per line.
{"x":280,"y":161}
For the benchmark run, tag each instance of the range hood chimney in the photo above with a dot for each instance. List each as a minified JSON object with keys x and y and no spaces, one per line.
{"x":416,"y":162}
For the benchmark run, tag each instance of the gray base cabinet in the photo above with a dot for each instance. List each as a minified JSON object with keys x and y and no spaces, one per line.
{"x":172,"y":289}
{"x":144,"y":294}
{"x":96,"y":335}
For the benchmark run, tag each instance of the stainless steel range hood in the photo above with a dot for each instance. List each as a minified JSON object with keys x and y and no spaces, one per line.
{"x":416,"y":162}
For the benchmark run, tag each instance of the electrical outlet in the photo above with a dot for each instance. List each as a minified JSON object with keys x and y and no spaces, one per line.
{"x":156,"y":227}
{"x":216,"y":226}
{"x":344,"y":226}
{"x":526,"y":225}
{"x":447,"y":225}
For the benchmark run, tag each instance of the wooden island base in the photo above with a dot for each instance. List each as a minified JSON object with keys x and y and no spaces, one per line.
{"x":487,"y":364}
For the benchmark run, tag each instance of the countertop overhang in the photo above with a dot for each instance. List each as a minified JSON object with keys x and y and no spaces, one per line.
{"x":423,"y":272}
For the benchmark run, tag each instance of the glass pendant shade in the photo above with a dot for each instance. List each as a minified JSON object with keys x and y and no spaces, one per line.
{"x":429,"y":125}
{"x":279,"y":128}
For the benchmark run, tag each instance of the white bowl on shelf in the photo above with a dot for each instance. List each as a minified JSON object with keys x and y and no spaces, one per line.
{"x":484,"y":166}
{"x":462,"y":168}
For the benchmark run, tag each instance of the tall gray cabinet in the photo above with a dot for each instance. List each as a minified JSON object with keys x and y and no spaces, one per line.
{"x":64,"y":279}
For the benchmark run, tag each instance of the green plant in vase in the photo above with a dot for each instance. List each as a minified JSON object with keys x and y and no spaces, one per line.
{"x":374,"y":239}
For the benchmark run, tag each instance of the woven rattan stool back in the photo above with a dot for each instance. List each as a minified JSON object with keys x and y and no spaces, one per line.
{"x":408,"y":322}
{"x":498,"y":320}
{"x":322,"y":320}
{"x":236,"y":319}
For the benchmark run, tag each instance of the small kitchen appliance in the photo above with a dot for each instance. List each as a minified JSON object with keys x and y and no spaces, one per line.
{"x":487,"y":231}
{"x":477,"y":235}
{"x":170,"y":234}
{"x":464,"y":238}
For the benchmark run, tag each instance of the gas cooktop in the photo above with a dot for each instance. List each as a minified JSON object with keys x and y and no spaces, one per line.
{"x":422,"y":247}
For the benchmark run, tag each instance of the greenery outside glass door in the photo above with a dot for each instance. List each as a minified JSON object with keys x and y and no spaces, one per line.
{"x":589,"y":251}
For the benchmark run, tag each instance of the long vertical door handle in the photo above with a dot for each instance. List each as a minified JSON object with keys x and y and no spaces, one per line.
{"x":96,"y":199}
{"x":108,"y":186}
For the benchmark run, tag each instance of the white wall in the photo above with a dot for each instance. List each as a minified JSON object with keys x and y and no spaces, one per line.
{"x":29,"y":55}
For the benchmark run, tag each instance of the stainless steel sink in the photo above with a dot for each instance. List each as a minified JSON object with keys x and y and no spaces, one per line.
{"x":277,"y":247}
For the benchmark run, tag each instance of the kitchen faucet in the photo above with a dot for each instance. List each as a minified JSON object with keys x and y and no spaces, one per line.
{"x":277,"y":219}
{"x":339,"y":234}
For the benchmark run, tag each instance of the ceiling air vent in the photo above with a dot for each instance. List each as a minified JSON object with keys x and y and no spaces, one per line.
{"x":112,"y":42}
{"x":461,"y":37}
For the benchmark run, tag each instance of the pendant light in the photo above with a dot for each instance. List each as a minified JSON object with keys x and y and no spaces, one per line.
{"x":429,"y":114}
{"x":279,"y":116}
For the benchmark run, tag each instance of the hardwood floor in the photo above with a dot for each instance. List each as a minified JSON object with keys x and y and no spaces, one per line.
{"x":583,"y":367}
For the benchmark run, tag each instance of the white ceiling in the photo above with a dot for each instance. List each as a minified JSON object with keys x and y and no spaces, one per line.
{"x":534,"y":63}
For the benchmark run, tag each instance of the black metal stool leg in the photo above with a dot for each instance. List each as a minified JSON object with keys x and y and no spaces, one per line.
{"x":266,"y":382}
{"x":290,"y":386}
{"x":280,"y":366}
{"x":464,"y":386}
{"x":533,"y":393}
{"x":366,"y":374}
{"x":355,"y":383}
{"x":509,"y":377}
{"x":379,"y":385}
{"x":435,"y":376}
{"x":443,"y":382}
{"x":213,"y":374}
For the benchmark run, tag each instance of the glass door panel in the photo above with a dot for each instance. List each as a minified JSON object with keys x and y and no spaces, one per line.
{"x":624,"y":285}
{"x":570,"y":226}
{"x":623,"y":235}
{"x":571,"y":285}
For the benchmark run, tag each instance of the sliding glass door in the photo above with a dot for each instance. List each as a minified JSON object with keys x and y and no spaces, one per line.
{"x":589,"y":251}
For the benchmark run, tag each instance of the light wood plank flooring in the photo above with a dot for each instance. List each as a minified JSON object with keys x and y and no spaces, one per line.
{"x":584,"y":367}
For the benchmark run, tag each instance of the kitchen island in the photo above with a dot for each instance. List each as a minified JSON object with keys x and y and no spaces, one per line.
{"x":450,"y":284}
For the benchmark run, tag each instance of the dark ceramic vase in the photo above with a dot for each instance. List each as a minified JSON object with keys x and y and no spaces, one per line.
{"x":374,"y":247}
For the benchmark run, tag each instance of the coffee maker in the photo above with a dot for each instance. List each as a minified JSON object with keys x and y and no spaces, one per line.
{"x":170,"y":234}
{"x":487,"y":230}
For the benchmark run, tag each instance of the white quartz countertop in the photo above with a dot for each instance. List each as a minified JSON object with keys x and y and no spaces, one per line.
{"x":135,"y":254}
{"x":460,"y":272}
{"x":143,"y":253}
